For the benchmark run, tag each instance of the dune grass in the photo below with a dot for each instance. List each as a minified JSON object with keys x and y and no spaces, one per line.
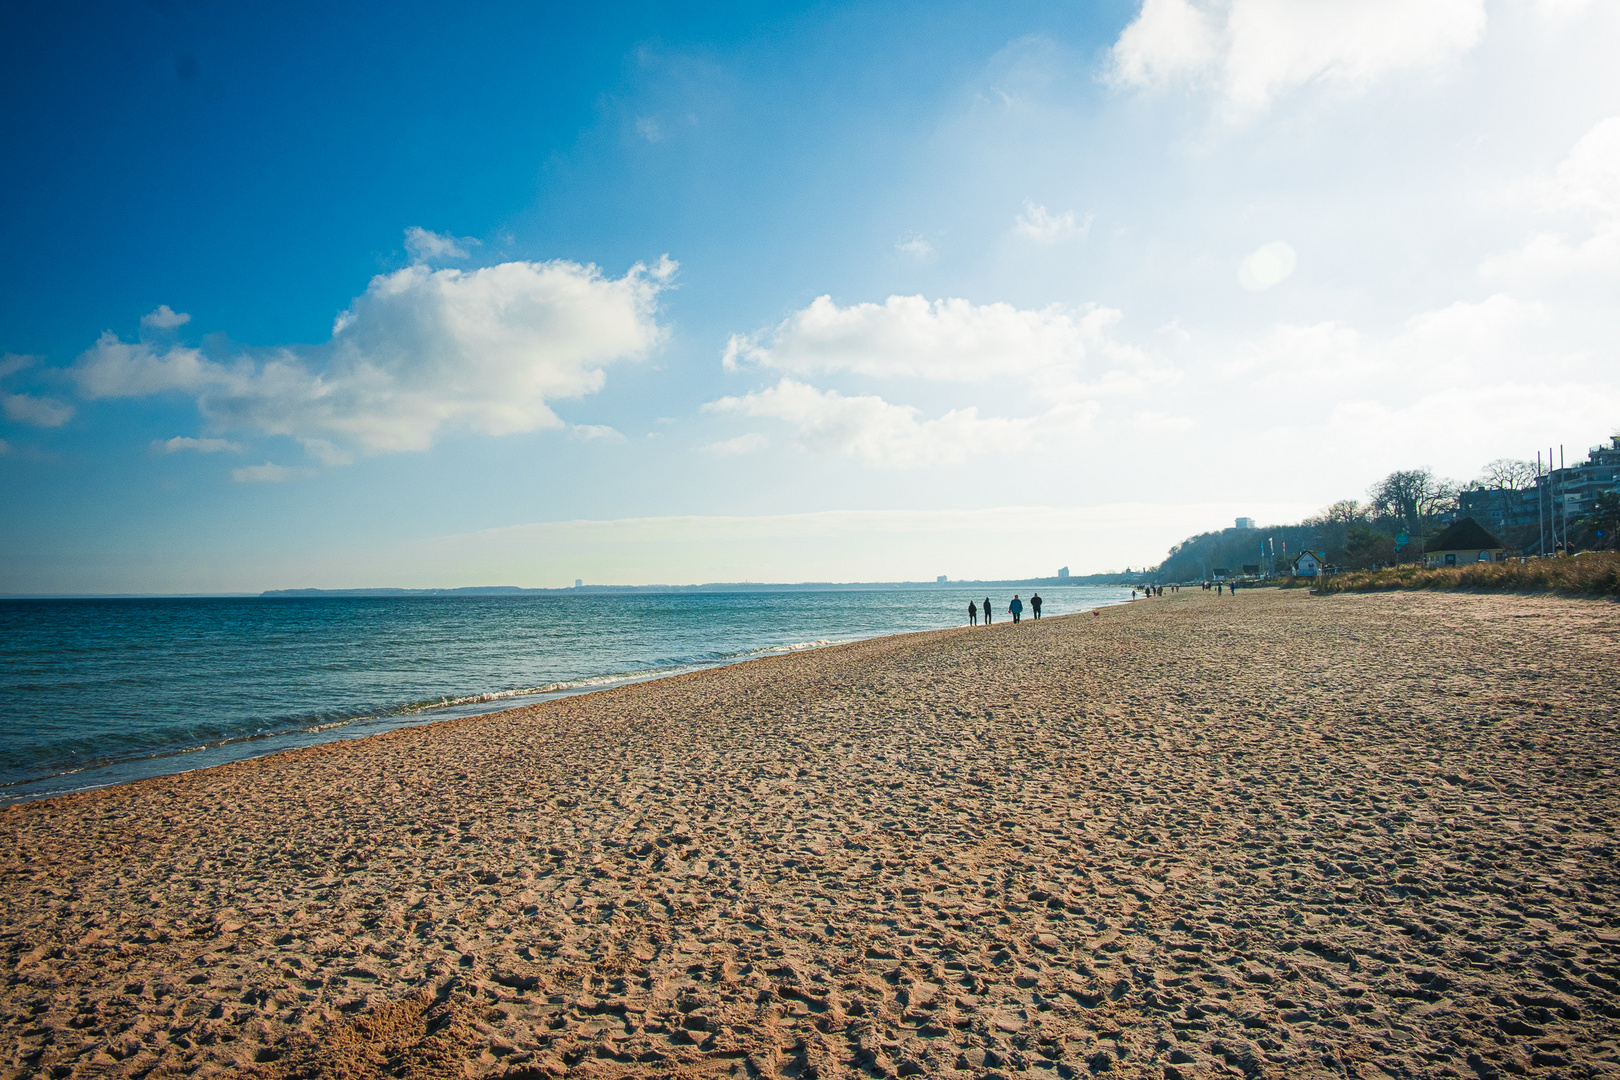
{"x":1594,"y":573}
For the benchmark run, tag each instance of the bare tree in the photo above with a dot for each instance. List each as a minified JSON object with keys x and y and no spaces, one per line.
{"x":1413,"y":497}
{"x":1508,"y":474}
{"x":1504,"y":476}
{"x":1344,"y":512}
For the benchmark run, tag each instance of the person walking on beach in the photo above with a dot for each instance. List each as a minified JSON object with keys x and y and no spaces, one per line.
{"x":1016,"y":608}
{"x":987,"y":611}
{"x":973,"y":614}
{"x":1035,"y":604}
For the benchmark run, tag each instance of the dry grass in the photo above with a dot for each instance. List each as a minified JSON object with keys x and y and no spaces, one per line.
{"x":1593,"y":573}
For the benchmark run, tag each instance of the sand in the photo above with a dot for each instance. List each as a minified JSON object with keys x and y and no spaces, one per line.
{"x":1265,"y":835}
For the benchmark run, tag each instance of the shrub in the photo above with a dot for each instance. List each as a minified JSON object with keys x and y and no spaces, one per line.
{"x":1592,"y":573}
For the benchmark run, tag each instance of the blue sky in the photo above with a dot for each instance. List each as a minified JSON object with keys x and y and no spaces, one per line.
{"x":517,"y":294}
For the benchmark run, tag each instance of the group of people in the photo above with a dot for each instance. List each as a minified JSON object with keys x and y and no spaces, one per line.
{"x":1015,"y":608}
{"x":1158,"y":590}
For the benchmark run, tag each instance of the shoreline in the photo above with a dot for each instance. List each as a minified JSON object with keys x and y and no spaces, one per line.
{"x":114,"y":768}
{"x":1274,"y":831}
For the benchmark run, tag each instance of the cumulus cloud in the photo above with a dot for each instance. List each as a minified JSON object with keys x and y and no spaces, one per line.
{"x":421,"y":351}
{"x":888,"y":435}
{"x":589,"y":432}
{"x":951,"y":340}
{"x":201,"y":446}
{"x":1267,"y":266}
{"x":424,"y":244}
{"x":38,"y":411}
{"x":1462,"y":342}
{"x":1039,"y":224}
{"x":917,"y":247}
{"x":1250,"y":51}
{"x":742,"y":444}
{"x":1585,"y":187}
{"x":267,"y":473}
{"x":164,"y":318}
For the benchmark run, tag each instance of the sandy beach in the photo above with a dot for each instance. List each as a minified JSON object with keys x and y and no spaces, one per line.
{"x":1268,"y":835}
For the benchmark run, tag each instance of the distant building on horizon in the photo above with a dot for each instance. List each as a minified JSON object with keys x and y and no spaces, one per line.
{"x":940,"y":580}
{"x":578,"y":583}
{"x":1063,"y":573}
{"x":1245,"y":523}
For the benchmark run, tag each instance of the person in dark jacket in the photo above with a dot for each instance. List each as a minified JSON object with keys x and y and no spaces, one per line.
{"x":973,"y":614}
{"x":1035,"y":604}
{"x":987,"y":611}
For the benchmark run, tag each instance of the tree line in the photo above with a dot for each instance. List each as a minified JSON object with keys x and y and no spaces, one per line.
{"x":1361,"y":535}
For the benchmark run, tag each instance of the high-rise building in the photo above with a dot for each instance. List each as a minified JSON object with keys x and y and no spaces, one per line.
{"x":1063,"y":573}
{"x":1245,"y":523}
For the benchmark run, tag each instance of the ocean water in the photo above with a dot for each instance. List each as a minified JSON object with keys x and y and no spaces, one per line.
{"x":103,"y":691}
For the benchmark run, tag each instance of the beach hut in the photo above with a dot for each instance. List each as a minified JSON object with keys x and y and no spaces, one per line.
{"x":1306,"y":565}
{"x":1464,"y":542}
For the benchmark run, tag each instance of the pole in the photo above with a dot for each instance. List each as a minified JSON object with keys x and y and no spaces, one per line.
{"x":1565,"y":504}
{"x":1541,"y":528}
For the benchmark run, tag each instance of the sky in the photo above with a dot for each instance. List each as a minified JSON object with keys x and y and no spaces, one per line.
{"x":513,"y":294}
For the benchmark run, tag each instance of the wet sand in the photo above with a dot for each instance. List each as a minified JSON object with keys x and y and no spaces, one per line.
{"x":1264,"y":835}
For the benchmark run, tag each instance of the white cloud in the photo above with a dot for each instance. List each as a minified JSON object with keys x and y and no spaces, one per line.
{"x":1252,"y":50}
{"x":267,"y":473}
{"x":1039,"y":224}
{"x":742,"y":444}
{"x":589,"y":432}
{"x":1588,"y":180}
{"x":1267,"y":266}
{"x":421,"y":351}
{"x":11,"y":363}
{"x":648,"y":128}
{"x":883,"y":434}
{"x":40,"y":412}
{"x":423,"y":244}
{"x":917,"y":247}
{"x":1585,"y":187}
{"x":164,"y":318}
{"x":1464,"y":342}
{"x":950,"y":340}
{"x":200,"y":446}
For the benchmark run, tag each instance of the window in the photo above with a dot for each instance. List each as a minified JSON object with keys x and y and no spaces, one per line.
{"x":1451,"y":558}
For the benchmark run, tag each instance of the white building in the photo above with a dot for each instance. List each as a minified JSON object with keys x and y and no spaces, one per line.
{"x":1307,"y":564}
{"x":1245,"y":523}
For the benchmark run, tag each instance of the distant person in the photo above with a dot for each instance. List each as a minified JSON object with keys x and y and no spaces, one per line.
{"x":973,"y":614}
{"x":1016,"y":608}
{"x":1133,"y":594}
{"x":987,"y":611}
{"x":1217,"y":588}
{"x":1035,"y":604}
{"x":1231,"y":587}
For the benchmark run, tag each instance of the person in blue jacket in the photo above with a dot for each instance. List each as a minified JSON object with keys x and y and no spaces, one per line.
{"x":1016,"y":607}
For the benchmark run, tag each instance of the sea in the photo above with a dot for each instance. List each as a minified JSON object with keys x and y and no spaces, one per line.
{"x":104,"y":691}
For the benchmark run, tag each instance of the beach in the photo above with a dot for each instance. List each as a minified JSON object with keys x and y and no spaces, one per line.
{"x":1268,"y":834}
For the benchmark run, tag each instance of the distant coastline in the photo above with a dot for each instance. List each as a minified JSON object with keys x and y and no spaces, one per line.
{"x":727,"y":586}
{"x":577,"y":590}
